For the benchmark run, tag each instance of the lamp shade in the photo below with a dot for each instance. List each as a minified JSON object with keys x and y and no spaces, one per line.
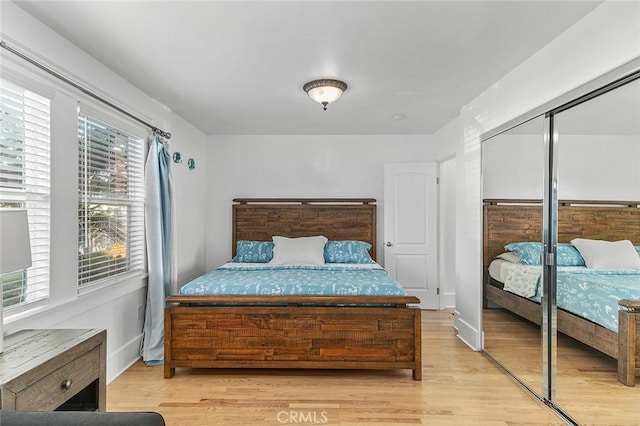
{"x":325,"y":91}
{"x":15,"y":245}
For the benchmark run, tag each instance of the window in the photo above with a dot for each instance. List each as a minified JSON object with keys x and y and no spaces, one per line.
{"x":24,"y":183}
{"x":111,"y":202}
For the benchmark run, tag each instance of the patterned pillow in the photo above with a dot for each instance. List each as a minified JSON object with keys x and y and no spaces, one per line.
{"x":568,"y":255}
{"x":528,"y":252}
{"x":347,"y":251}
{"x":253,"y":252}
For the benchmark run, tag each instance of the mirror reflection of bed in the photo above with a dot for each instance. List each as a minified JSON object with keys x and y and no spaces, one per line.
{"x":598,"y":178}
{"x":600,"y":148}
{"x":588,"y":361}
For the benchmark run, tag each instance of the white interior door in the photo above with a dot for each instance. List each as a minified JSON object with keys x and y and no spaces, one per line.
{"x":410,"y":236}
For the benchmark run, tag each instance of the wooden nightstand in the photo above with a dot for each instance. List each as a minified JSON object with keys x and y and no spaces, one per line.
{"x":44,"y":370}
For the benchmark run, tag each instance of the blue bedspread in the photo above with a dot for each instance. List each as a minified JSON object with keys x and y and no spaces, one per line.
{"x":264,"y":279}
{"x":593,"y":294}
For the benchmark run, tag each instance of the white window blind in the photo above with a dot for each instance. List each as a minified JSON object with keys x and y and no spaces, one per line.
{"x":25,"y":183}
{"x":111,"y":202}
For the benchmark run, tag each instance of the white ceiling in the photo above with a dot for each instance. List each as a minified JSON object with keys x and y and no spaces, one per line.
{"x":238,"y":67}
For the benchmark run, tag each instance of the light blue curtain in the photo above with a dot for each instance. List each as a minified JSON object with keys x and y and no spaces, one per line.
{"x":158,"y":223}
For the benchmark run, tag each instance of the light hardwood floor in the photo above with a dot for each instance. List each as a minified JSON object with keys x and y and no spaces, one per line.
{"x":459,"y":387}
{"x":587,"y":388}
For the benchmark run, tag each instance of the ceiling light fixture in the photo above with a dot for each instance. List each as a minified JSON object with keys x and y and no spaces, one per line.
{"x":325,"y":91}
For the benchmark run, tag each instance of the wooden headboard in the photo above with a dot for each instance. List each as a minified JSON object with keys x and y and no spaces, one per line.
{"x":258,"y":219}
{"x":508,"y":221}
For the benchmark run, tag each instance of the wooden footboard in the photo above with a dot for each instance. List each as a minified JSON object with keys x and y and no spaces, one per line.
{"x":316,"y":332}
{"x":629,"y":341}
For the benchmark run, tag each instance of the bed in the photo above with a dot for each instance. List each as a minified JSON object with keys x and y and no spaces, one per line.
{"x":319,"y":329}
{"x":614,"y":331}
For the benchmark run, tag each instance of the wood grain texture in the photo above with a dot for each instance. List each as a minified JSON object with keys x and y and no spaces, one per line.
{"x":507,"y":221}
{"x":514,"y":222}
{"x":628,"y":347}
{"x":35,"y":363}
{"x":587,"y":332}
{"x":460,"y":387}
{"x":327,"y":337}
{"x":335,"y":218}
{"x":293,"y":300}
{"x":302,"y":331}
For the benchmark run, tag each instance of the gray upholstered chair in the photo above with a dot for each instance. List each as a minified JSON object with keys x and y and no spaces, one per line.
{"x":79,"y":418}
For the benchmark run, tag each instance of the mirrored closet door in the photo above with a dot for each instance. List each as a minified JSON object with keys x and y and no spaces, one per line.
{"x":597,"y":144}
{"x":561,"y":248}
{"x":513,"y":183}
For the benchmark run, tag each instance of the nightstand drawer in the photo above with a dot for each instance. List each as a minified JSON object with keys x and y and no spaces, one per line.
{"x":58,"y":386}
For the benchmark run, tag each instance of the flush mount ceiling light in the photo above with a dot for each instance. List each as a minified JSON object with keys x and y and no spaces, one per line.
{"x":325,"y":91}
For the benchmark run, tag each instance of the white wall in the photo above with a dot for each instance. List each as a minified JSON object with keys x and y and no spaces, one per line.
{"x":605,"y":39}
{"x":586,"y":171}
{"x":114,"y":308}
{"x":299,"y":166}
{"x":190,"y":199}
{"x":446,"y":139}
{"x":512,"y":167}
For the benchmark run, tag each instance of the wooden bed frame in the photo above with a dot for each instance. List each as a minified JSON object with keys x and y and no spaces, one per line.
{"x":300,"y":332}
{"x":507,"y":221}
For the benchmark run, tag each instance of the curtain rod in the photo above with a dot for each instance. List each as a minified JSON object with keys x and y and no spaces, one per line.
{"x":84,"y":90}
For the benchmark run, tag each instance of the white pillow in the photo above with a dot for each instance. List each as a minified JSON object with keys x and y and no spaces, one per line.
{"x":303,"y":250}
{"x":510,"y":257}
{"x":600,"y":254}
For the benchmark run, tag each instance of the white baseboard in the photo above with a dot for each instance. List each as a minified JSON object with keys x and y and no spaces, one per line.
{"x":466,"y":332}
{"x":122,"y":358}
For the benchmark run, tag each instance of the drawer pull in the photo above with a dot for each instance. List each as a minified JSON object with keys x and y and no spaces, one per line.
{"x":66,"y":384}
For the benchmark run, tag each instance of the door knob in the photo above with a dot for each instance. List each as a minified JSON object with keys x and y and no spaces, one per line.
{"x":389,"y":244}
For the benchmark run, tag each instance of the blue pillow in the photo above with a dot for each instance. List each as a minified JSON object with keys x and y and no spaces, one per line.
{"x":253,"y":252}
{"x":568,"y":255}
{"x":638,"y":250}
{"x":347,"y":251}
{"x":529,"y":253}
